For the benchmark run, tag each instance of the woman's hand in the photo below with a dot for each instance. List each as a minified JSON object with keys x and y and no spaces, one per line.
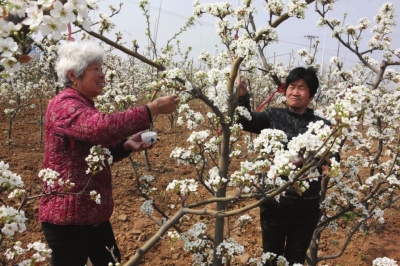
{"x":242,"y":87}
{"x":164,"y":105}
{"x":135,"y":143}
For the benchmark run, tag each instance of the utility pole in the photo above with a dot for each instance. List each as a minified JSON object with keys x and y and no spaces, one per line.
{"x":310,"y":37}
{"x":323,"y":55}
{"x":338,"y":47}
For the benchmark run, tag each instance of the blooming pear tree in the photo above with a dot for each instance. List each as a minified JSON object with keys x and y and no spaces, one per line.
{"x":230,"y":166}
{"x":361,"y":196}
{"x":13,"y":220}
{"x":35,"y":81}
{"x":18,"y":93}
{"x":44,"y":84}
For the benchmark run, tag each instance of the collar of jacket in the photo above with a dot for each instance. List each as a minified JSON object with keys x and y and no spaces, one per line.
{"x":308,"y":113}
{"x":72,"y":90}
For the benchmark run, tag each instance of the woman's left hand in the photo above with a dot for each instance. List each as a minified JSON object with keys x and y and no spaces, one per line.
{"x":135,"y":143}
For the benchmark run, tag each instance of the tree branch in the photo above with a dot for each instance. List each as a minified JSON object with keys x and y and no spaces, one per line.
{"x":125,"y":50}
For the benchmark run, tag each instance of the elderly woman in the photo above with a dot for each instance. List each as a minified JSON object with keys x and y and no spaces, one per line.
{"x":75,"y":226}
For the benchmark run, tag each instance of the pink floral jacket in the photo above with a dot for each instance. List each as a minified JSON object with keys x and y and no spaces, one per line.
{"x":73,"y":126}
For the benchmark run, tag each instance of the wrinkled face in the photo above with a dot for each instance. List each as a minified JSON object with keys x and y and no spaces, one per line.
{"x":91,"y":83}
{"x":298,"y":96}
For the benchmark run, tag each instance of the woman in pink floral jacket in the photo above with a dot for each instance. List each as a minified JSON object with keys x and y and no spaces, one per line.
{"x":75,"y":226}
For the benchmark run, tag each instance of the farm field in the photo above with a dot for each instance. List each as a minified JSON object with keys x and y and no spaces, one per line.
{"x":211,"y":168}
{"x":132,"y":229}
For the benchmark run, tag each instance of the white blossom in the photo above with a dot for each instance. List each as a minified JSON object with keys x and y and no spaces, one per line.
{"x":95,"y":196}
{"x":97,"y":159}
{"x":384,"y":262}
{"x":147,"y":208}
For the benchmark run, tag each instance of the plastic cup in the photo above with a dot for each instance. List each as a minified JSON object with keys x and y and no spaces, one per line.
{"x":149,"y":137}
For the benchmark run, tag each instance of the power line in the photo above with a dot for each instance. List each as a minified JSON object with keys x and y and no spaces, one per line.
{"x":171,"y":13}
{"x":203,"y":23}
{"x":311,"y":37}
{"x":302,"y":44}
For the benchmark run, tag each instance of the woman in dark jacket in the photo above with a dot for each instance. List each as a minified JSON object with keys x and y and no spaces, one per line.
{"x":288,"y":225}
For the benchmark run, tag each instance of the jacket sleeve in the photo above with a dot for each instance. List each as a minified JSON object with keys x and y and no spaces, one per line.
{"x":118,"y":152}
{"x":74,"y":118}
{"x":259,"y":120}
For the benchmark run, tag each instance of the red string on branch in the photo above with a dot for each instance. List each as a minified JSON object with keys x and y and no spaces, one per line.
{"x":281,"y":90}
{"x":70,"y":38}
{"x":153,"y":97}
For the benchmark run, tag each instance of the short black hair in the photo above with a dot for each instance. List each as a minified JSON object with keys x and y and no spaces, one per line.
{"x":309,"y":75}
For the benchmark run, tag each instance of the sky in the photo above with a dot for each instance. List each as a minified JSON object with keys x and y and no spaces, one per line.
{"x":168,"y":16}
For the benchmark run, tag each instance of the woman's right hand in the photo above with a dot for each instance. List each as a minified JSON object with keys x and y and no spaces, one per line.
{"x":164,"y":105}
{"x":242,"y":87}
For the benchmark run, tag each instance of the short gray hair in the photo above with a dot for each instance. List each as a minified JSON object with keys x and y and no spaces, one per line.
{"x":76,"y":56}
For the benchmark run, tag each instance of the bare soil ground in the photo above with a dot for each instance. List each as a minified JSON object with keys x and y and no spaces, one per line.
{"x":132,"y":229}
